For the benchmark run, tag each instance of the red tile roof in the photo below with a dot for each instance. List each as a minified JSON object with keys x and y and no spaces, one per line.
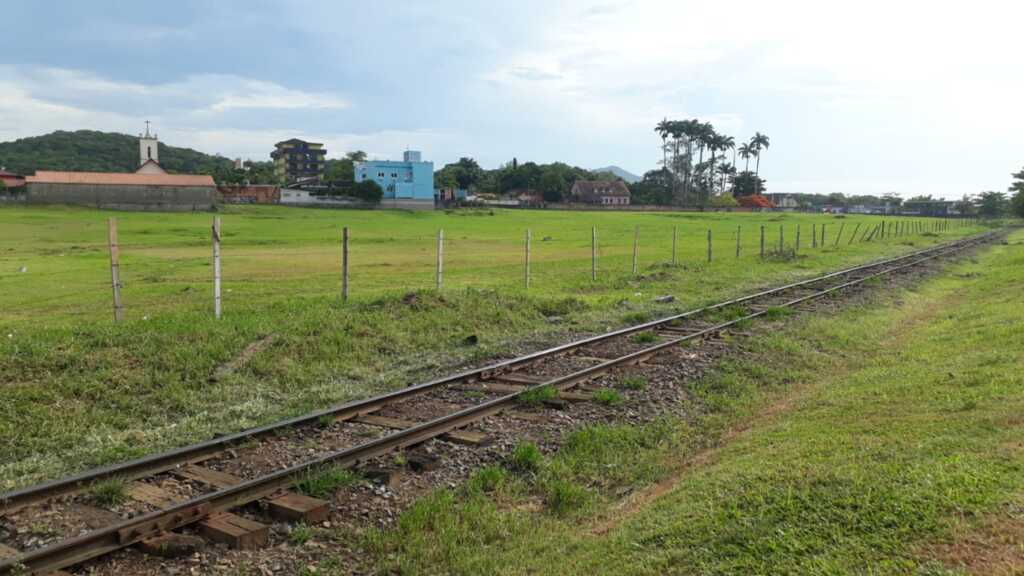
{"x":120,"y":179}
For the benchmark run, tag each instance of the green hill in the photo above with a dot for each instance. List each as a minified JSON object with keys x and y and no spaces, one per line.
{"x":94,"y":151}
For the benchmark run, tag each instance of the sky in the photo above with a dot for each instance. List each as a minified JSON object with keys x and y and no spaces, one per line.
{"x":857,"y":97}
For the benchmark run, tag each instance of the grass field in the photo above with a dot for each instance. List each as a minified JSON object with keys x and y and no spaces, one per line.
{"x":882,"y":440}
{"x":79,"y":391}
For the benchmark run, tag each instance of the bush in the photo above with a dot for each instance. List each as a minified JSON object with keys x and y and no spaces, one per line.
{"x":368,"y":191}
{"x":645,"y":338}
{"x":608,"y":397}
{"x":526,"y":458}
{"x":537,"y":395}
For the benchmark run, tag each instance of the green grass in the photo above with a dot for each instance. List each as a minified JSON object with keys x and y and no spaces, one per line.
{"x":892,"y":427}
{"x":109,"y":492}
{"x":525,"y":458}
{"x":324,"y":482}
{"x":607,"y":397}
{"x":537,"y":395}
{"x":79,"y":391}
{"x":300,"y":534}
{"x":645,"y":338}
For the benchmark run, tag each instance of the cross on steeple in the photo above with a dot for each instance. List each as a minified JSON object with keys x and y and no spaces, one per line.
{"x":147,"y":129}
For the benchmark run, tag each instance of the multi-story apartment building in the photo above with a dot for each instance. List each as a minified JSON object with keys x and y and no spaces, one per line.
{"x":297,"y":160}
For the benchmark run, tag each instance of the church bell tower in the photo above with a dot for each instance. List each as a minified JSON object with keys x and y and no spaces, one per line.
{"x":148,"y":147}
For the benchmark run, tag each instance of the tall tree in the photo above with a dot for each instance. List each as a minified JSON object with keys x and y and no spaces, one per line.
{"x":759,"y":142}
{"x":746,"y":151}
{"x":1018,"y":193}
{"x":992,"y":204}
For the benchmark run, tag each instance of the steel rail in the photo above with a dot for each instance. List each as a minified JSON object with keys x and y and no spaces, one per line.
{"x":163,"y":461}
{"x":131,"y":531}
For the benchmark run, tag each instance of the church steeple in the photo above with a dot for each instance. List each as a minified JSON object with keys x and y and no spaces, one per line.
{"x":148,"y":147}
{"x":149,"y":162}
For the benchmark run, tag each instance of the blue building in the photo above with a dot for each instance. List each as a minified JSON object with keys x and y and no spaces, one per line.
{"x":409,"y":183}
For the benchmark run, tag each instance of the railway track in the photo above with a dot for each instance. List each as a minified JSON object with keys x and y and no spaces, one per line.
{"x":200,"y":485}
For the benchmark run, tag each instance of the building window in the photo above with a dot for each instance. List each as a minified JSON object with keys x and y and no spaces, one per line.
{"x":380,"y":174}
{"x":394,"y":174}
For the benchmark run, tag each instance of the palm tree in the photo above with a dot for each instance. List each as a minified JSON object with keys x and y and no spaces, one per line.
{"x":725,"y":170}
{"x":759,"y":141}
{"x":719,"y":143}
{"x":746,"y":151}
{"x":663,"y":129}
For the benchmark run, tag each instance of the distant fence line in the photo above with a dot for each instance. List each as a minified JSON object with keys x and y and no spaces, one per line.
{"x":880,"y":231}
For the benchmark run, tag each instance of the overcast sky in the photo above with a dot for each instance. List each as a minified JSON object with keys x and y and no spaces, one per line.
{"x":857,"y":97}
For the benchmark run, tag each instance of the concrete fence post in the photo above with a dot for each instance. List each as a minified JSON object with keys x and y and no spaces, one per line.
{"x":675,"y":230}
{"x":593,"y":253}
{"x":636,"y":248}
{"x":344,"y":264}
{"x":526,"y":271}
{"x":216,"y":267}
{"x":115,"y":268}
{"x":440,"y":259}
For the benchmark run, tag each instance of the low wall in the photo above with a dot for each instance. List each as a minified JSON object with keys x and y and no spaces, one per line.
{"x":252,"y":194}
{"x":13,"y":196}
{"x":641,"y":208}
{"x":133,"y":197}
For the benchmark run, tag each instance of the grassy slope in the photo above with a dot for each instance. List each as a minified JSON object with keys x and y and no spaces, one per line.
{"x":879,"y":429}
{"x":78,"y":391}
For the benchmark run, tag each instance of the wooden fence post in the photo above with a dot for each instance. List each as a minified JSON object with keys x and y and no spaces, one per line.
{"x":440,"y":259}
{"x":840,"y":235}
{"x":115,"y":268}
{"x":344,"y":264}
{"x":854,"y":235}
{"x":526,"y":278}
{"x":636,"y":247}
{"x":709,"y":244}
{"x":822,"y":235}
{"x":762,"y":240}
{"x":593,"y":253}
{"x":797,"y":245}
{"x":739,"y":231}
{"x":782,"y":242}
{"x":814,"y":235}
{"x":216,"y":267}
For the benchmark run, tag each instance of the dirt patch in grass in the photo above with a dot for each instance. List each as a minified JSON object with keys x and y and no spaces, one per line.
{"x":995,"y":547}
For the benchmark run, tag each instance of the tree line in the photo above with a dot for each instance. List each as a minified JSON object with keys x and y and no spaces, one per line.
{"x":687,"y":179}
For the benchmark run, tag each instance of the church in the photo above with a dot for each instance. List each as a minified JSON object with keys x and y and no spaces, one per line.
{"x":150,"y":187}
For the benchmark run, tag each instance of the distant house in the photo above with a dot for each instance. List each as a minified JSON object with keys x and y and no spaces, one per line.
{"x":784,"y":201}
{"x":406,"y":184}
{"x":600,"y":192}
{"x":11,"y":180}
{"x":929,"y":208}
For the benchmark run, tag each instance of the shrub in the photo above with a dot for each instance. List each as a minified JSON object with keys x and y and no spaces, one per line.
{"x":608,"y":397}
{"x":325,"y":481}
{"x":563,"y":497}
{"x":645,"y":338}
{"x":537,"y":395}
{"x":526,"y":458}
{"x":109,"y":492}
